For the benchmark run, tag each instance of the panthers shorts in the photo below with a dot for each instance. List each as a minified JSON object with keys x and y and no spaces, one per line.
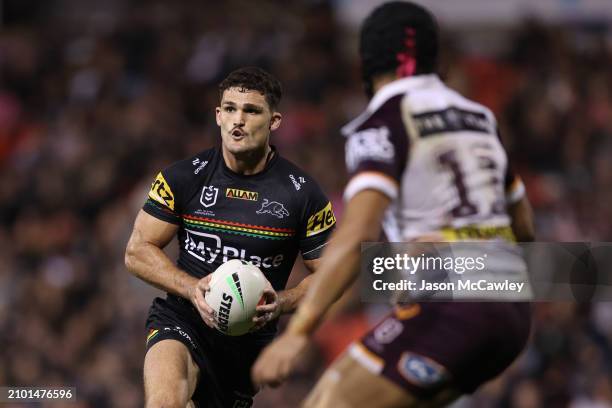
{"x":225,"y":362}
{"x":426,"y":347}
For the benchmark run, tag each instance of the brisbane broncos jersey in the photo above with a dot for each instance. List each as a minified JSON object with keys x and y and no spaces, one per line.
{"x":264,"y":218}
{"x":439,"y":158}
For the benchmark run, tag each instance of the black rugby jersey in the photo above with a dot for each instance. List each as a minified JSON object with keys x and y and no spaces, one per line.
{"x":265,"y":218}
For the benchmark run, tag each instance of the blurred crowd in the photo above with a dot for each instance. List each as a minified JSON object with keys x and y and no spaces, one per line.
{"x":95,"y":100}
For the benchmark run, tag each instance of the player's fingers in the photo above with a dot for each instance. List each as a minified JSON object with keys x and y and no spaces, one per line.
{"x":202,"y":304}
{"x":270,"y":295}
{"x":203,"y":284}
{"x":267,"y":308}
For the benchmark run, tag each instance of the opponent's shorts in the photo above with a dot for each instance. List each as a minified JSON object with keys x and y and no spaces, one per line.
{"x":224,"y":361}
{"x":426,"y":347}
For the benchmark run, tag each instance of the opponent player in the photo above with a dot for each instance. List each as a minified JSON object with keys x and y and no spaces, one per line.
{"x":425,"y":163}
{"x":243,"y":201}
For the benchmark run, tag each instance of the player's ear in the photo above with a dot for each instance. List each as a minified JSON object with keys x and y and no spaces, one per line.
{"x":275,"y":121}
{"x":218,"y":115}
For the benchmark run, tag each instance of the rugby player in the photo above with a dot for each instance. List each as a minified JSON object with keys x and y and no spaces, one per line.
{"x":424,"y":163}
{"x":240,"y":200}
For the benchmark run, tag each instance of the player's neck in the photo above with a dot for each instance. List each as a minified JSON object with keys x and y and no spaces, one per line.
{"x":248,"y":163}
{"x":381,"y":80}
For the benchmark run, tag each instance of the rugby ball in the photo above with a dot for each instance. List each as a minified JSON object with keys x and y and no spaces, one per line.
{"x":236,"y":288}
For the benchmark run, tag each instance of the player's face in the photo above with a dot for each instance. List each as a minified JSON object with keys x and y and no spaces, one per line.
{"x":246,"y":120}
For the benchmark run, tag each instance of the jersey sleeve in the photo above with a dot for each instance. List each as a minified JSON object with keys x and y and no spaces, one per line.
{"x":377,"y":152}
{"x":162,"y":198}
{"x":317,"y":224}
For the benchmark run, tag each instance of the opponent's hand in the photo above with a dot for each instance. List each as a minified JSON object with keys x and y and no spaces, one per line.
{"x":197,"y":298}
{"x":278,"y":360}
{"x":267,"y":311}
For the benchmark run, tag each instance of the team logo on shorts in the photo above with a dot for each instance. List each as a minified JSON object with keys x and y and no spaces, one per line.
{"x":273,"y":208}
{"x":209,"y":196}
{"x":388,"y":331}
{"x":421,"y":371}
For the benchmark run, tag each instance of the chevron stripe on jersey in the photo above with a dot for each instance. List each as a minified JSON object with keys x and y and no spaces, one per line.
{"x":256,"y":231}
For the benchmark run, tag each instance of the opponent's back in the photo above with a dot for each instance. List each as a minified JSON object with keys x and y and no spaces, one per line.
{"x":446,"y":169}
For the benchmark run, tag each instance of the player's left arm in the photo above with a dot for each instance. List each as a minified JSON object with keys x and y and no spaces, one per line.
{"x":339,"y":268}
{"x":285,"y":301}
{"x":289,"y":299}
{"x":340,"y":263}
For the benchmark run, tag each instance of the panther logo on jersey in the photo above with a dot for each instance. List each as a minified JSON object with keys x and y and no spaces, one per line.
{"x":273,"y":208}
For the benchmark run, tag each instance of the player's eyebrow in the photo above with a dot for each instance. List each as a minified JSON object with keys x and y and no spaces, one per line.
{"x":251,"y":106}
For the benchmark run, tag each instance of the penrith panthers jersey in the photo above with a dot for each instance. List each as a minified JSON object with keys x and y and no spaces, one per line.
{"x":265,"y":218}
{"x":439,"y":158}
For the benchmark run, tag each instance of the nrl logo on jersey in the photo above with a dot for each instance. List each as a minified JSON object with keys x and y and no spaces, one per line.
{"x":241,"y":194}
{"x":273,"y":208}
{"x":209,"y":196}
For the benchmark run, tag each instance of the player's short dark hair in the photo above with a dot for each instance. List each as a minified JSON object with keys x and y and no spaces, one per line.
{"x":392,"y":30}
{"x":254,"y":79}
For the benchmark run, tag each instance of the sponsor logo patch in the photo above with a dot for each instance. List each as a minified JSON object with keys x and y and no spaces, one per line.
{"x":321,"y":221}
{"x":200,"y":167}
{"x":297,"y":184}
{"x":210,"y":249}
{"x":369,"y":144}
{"x":388,"y":331}
{"x":182,"y":333}
{"x":209,"y":196}
{"x":161,"y":193}
{"x":273,"y":208}
{"x":241,"y":194}
{"x":421,"y":371}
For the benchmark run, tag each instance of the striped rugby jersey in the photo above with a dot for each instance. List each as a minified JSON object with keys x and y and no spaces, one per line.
{"x":439,"y":158}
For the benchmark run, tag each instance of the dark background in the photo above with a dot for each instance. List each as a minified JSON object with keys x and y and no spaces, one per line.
{"x":97,"y":96}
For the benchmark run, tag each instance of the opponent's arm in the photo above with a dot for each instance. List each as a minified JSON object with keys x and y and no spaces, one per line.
{"x":340,"y":263}
{"x":145,"y":259}
{"x":522,"y":220}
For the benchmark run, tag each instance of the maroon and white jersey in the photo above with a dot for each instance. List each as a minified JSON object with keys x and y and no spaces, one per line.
{"x":436,"y":154}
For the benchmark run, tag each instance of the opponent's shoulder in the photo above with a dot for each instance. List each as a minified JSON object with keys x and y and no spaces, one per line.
{"x":383,"y":113}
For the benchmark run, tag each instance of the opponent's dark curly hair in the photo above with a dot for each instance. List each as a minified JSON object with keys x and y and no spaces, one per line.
{"x":254,"y":79}
{"x":399,"y":37}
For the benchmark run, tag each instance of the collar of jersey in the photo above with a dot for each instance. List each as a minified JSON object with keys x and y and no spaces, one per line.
{"x":232,"y":173}
{"x":388,"y":91}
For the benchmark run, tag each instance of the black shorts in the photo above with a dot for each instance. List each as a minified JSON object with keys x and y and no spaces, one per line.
{"x":426,"y":347}
{"x":224,"y":361}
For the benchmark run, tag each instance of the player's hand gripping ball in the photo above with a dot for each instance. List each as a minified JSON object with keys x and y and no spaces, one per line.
{"x":236,"y":288}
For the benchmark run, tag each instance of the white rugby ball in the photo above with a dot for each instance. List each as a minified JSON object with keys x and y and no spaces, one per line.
{"x":236,"y":288}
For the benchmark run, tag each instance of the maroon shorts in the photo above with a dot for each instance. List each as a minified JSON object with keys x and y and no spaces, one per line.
{"x":426,"y":347}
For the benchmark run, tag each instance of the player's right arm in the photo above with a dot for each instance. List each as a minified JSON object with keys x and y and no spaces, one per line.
{"x":155,"y":226}
{"x":145,"y":258}
{"x":518,"y":207}
{"x":522,"y":220}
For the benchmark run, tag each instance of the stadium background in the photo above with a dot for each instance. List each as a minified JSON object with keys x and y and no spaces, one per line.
{"x":96,"y":97}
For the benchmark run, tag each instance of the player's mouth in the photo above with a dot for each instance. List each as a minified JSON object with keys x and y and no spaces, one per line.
{"x":237,"y":134}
